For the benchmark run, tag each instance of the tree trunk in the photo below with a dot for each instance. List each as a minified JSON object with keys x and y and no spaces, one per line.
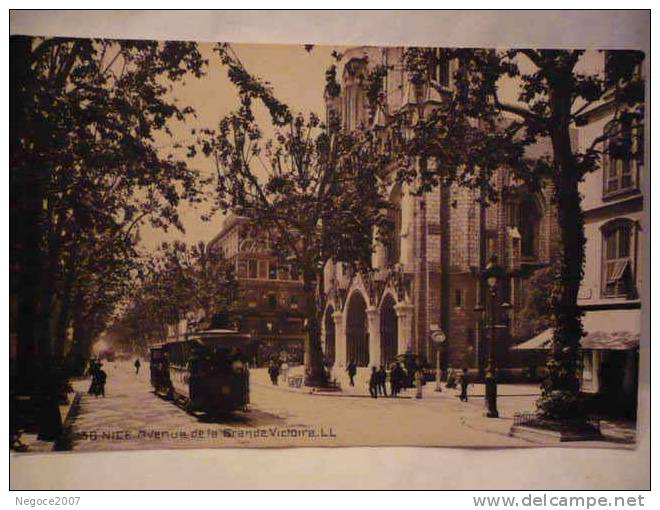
{"x":560,"y":398}
{"x":314,"y":371}
{"x":78,"y":354}
{"x":25,"y":215}
{"x":64,"y":316}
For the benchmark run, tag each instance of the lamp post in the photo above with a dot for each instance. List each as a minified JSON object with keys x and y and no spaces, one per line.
{"x":479,"y":342}
{"x":492,"y":274}
{"x":438,"y":337}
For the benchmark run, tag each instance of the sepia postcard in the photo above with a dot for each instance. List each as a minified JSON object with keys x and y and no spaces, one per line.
{"x":248,"y":245}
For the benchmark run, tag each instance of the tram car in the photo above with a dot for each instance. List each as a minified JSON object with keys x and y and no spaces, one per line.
{"x":205,"y":373}
{"x":159,"y":371}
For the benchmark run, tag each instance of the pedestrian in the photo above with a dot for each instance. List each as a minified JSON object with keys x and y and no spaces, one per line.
{"x":395,"y":380}
{"x":374,"y":382}
{"x":273,"y":371}
{"x":419,"y":382}
{"x":352,"y":370}
{"x":102,"y":376}
{"x":137,"y":365}
{"x":94,"y":367}
{"x":464,"y":385}
{"x":382,"y":379}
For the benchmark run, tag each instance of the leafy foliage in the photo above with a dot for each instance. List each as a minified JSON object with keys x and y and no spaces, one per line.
{"x":87,"y":170}
{"x":178,"y":282}
{"x":313,"y":188}
{"x":473,"y":133}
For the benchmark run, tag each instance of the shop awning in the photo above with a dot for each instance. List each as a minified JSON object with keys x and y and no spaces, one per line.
{"x":540,"y":341}
{"x":616,"y":330}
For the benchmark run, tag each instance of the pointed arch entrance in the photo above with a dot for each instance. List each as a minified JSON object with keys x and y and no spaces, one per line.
{"x":357,"y":340}
{"x":329,"y":336}
{"x":389,"y":334}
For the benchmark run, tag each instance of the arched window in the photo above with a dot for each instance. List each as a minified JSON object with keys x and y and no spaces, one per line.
{"x":618,"y":258}
{"x":395,"y":219}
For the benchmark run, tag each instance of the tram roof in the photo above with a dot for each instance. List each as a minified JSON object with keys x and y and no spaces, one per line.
{"x":219,"y":335}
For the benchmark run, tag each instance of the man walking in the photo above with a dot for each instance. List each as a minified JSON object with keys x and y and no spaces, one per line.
{"x":395,"y":380}
{"x":374,"y":382}
{"x":102,"y":376}
{"x":352,"y":370}
{"x":382,"y":379}
{"x":464,"y":385}
{"x":137,"y":365}
{"x":274,"y":372}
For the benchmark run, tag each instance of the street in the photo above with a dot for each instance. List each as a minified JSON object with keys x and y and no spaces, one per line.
{"x":132,"y":417}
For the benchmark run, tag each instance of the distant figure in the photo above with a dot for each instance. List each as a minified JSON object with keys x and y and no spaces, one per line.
{"x":382,"y":379}
{"x":374,"y":382}
{"x":352,"y":370}
{"x":102,"y":376}
{"x":419,"y":382}
{"x":464,"y":385}
{"x":395,"y":379}
{"x":137,"y":365}
{"x":273,"y":372}
{"x":94,"y":368}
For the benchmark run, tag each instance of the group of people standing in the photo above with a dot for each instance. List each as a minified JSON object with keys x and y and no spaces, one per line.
{"x":400,"y":378}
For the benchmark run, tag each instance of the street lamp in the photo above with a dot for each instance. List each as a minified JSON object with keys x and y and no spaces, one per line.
{"x":493,"y":273}
{"x":439,"y":338}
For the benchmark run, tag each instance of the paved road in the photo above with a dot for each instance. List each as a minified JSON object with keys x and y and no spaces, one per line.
{"x":132,"y":417}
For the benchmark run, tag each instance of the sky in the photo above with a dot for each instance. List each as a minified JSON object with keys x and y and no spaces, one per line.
{"x":298,"y":79}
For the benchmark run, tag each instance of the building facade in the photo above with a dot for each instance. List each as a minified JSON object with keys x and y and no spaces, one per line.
{"x":269,"y":295}
{"x":615,"y":230}
{"x":427,"y":279}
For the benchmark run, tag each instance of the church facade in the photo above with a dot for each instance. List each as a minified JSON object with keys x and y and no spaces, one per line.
{"x":427,"y":282}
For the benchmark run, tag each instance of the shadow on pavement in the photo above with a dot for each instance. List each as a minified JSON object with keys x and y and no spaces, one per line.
{"x":253,"y":417}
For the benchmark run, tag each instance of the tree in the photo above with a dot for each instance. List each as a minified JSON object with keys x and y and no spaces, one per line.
{"x":199,"y":277}
{"x":313,"y":189}
{"x":176,"y":281}
{"x":475,"y":132}
{"x":536,"y":314}
{"x":86,"y":171}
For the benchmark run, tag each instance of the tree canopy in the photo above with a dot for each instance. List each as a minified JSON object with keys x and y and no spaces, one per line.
{"x":473,"y":132}
{"x":87,"y":170}
{"x":314,"y":187}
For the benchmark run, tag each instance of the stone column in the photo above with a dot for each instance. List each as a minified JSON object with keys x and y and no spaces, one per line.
{"x":404,"y":314}
{"x":379,"y":257}
{"x":373,"y":324}
{"x":340,"y":339}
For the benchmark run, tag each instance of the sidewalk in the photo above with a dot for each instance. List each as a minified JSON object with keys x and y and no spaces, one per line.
{"x":67,"y":412}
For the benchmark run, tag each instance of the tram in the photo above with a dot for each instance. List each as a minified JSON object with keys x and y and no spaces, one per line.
{"x":207,"y":372}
